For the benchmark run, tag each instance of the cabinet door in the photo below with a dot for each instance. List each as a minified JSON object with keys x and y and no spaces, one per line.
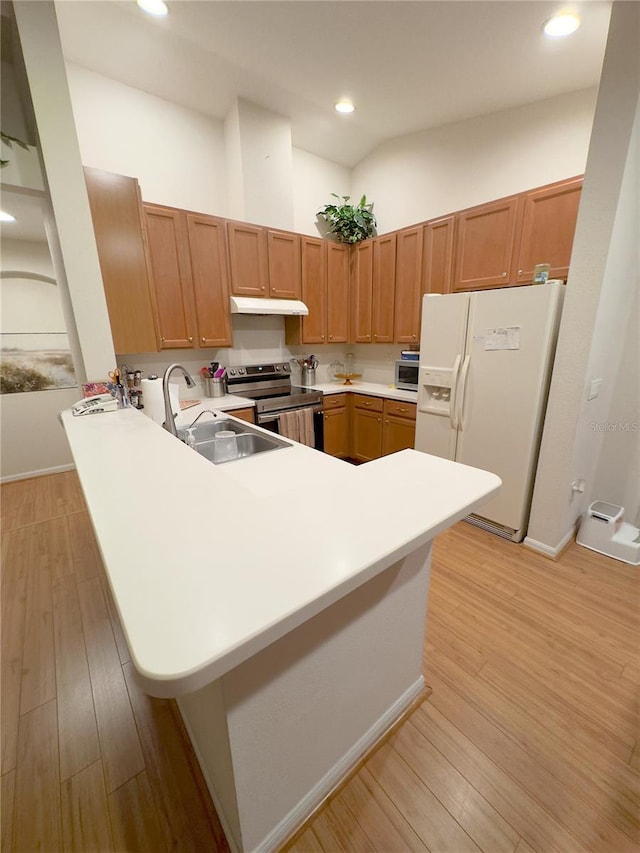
{"x":314,"y":290}
{"x":384,"y":287}
{"x":437,"y":261}
{"x":244,"y":415}
{"x":171,"y":275}
{"x":337,"y":293}
{"x":116,"y":210}
{"x":247,"y":259}
{"x":398,"y":434}
{"x":399,"y":427}
{"x":366,"y":435}
{"x":484,"y":245}
{"x":336,"y":431}
{"x":362,"y":294}
{"x":548,"y":225}
{"x":408,"y":284}
{"x":210,"y":272}
{"x":284,"y":265}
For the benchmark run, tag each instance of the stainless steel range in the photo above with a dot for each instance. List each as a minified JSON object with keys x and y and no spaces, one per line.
{"x":269,"y":385}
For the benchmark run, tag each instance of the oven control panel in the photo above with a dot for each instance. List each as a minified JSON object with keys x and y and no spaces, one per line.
{"x":259,"y":371}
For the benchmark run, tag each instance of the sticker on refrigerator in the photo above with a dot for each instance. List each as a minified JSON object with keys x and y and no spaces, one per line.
{"x":504,"y":337}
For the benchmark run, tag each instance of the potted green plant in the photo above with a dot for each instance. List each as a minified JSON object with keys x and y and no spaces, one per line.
{"x":350,"y":223}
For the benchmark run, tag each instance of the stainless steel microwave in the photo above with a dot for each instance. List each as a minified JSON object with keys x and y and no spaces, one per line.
{"x":406,"y":375}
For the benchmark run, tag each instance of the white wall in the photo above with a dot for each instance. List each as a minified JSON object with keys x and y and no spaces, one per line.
{"x":314,"y":179}
{"x":601,"y":289}
{"x":435,"y":172}
{"x":177,"y":154}
{"x":29,"y":305}
{"x":31,"y":439}
{"x":261,"y":179}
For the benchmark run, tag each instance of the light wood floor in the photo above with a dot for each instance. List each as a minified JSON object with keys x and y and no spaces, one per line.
{"x":529,"y":740}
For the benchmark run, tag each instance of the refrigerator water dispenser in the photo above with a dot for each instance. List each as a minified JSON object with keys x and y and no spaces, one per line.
{"x":436,"y":388}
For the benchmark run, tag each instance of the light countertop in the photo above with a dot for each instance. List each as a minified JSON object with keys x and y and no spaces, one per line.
{"x":209,"y":564}
{"x":374,"y":389}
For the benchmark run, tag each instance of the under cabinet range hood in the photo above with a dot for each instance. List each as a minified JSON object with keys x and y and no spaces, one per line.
{"x":284,"y":307}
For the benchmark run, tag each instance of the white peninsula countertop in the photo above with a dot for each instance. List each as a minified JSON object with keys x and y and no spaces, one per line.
{"x":210,"y":564}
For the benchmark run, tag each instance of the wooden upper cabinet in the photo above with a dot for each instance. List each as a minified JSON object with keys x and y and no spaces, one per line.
{"x":408,"y":284}
{"x":362,"y":293}
{"x":116,"y":210}
{"x":384,"y":287}
{"x":338,"y":258}
{"x":210,"y":275}
{"x":248,"y":263}
{"x":171,"y":276}
{"x":548,"y":225}
{"x":437,"y":259}
{"x":284,"y":264}
{"x":484,"y":245}
{"x":314,"y":291}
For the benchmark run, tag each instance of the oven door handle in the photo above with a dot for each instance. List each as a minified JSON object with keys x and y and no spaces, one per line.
{"x":264,"y":417}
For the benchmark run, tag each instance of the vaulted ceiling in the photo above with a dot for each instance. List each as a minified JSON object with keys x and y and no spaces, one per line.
{"x":407,"y":66}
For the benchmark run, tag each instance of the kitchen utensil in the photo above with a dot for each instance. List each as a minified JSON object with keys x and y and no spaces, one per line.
{"x":213,"y":387}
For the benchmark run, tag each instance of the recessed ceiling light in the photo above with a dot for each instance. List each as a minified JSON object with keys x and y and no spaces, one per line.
{"x":6,"y":217}
{"x":154,"y":7}
{"x":561,"y":25}
{"x":345,"y":106}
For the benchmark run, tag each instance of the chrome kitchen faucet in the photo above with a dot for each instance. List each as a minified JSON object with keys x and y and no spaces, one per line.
{"x":169,"y":420}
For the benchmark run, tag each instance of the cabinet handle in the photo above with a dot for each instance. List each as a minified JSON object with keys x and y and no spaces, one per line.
{"x":190,"y":339}
{"x":330,"y":337}
{"x":162,"y":339}
{"x":323,"y":337}
{"x":520,"y":272}
{"x":402,"y":410}
{"x":379,"y":420}
{"x":203,"y":339}
{"x":504,"y":275}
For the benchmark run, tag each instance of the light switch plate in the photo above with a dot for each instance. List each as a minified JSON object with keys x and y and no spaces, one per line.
{"x":594,"y":389}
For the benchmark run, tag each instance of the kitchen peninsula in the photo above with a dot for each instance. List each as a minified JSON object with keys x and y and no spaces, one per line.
{"x":281,"y":598}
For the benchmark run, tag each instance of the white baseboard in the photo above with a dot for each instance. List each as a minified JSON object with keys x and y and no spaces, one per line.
{"x":27,"y":475}
{"x":310,"y":802}
{"x":548,"y":550}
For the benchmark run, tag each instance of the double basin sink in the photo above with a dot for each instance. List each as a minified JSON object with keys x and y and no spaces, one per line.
{"x":248,"y":441}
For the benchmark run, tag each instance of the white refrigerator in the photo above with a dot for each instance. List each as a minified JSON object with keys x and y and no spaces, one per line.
{"x":485,"y":367}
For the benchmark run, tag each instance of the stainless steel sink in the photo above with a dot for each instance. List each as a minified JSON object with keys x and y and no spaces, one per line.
{"x":249,"y":441}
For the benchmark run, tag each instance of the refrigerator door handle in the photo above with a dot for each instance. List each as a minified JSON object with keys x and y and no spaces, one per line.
{"x":464,"y":374}
{"x":454,"y":393}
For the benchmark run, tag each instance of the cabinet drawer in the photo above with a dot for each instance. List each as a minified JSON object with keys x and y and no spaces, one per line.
{"x":334,"y":401}
{"x":371,"y":404}
{"x":400,"y":409}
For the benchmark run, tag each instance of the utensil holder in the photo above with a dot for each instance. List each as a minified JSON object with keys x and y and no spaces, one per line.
{"x":213,"y":387}
{"x":308,"y":376}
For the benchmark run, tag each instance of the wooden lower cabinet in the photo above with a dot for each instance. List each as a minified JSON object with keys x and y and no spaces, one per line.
{"x":366,"y":427}
{"x":336,"y":425}
{"x":362,"y":427}
{"x":244,"y":414}
{"x":399,"y":426}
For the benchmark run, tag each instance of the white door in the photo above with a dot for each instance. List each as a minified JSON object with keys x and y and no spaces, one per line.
{"x":444,"y":326}
{"x":510,"y":338}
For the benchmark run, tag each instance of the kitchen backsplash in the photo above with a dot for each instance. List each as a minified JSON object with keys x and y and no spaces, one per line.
{"x":262,"y":339}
